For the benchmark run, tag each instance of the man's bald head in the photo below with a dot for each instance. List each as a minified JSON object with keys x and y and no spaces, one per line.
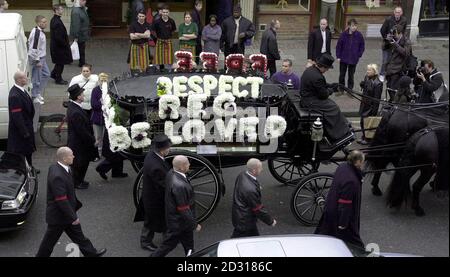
{"x":20,"y":78}
{"x":254,"y":167}
{"x":64,"y":155}
{"x":181,"y":163}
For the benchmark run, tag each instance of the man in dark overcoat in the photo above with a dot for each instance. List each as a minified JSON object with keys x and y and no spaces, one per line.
{"x":62,"y":207}
{"x":181,"y":219}
{"x":153,"y":192}
{"x":341,"y":217}
{"x":80,"y":136}
{"x":80,"y":29}
{"x":315,"y":91}
{"x":269,"y":46}
{"x":21,"y":114}
{"x":236,"y":30}
{"x":247,"y":204}
{"x":319,"y":41}
{"x":59,"y":45}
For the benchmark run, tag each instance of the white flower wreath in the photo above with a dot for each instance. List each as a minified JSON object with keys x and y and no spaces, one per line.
{"x":256,"y":83}
{"x":167,"y":102}
{"x":240,"y":81}
{"x":209,"y":83}
{"x":118,"y":138}
{"x":226,"y":133}
{"x":166,"y":82}
{"x":193,"y":83}
{"x":195,"y":106}
{"x":179,"y":89}
{"x":225,"y":83}
{"x":247,"y":126}
{"x":139,"y":135}
{"x":168,"y":130}
{"x":194,"y":131}
{"x":275,"y":126}
{"x":227,"y":100}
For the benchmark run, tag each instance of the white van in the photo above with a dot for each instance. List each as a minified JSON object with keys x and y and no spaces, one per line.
{"x":13,"y":57}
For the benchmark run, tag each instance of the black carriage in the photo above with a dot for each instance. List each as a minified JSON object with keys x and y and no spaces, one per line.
{"x":294,"y":156}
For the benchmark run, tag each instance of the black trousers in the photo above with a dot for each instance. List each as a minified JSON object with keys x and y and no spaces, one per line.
{"x":235,"y":49}
{"x":147,"y":234}
{"x":115,"y":166}
{"x":74,"y":232}
{"x":272,"y":66}
{"x":392,"y":84}
{"x":245,"y":233}
{"x":361,"y":122}
{"x":79,"y":167}
{"x":82,"y":48}
{"x":198,"y":50}
{"x":57,"y":72}
{"x":171,"y":240}
{"x":343,"y":68}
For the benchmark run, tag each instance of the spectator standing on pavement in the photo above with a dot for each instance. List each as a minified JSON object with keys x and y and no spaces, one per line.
{"x":79,"y":29}
{"x":394,"y":22}
{"x":62,"y":207}
{"x":181,"y":219}
{"x":139,"y":31}
{"x":188,"y":33}
{"x":287,"y":76}
{"x":319,"y":41}
{"x":428,"y":80}
{"x":236,"y":30}
{"x":372,"y":87}
{"x":37,"y":52}
{"x":88,"y":82}
{"x":397,"y":61}
{"x":59,"y":45}
{"x":197,"y":19}
{"x":3,"y":5}
{"x":136,"y":7}
{"x":151,"y":204}
{"x":341,"y":217}
{"x":211,"y":36}
{"x":97,"y":119}
{"x":328,"y":11}
{"x":247,"y":203}
{"x":269,"y":46}
{"x":164,"y":28}
{"x":80,"y":136}
{"x":349,"y":49}
{"x":21,"y":114}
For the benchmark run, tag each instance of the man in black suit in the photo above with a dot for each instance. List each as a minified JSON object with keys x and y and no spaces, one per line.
{"x":236,"y":30}
{"x":59,"y":45}
{"x":269,"y":46}
{"x":80,"y":136}
{"x":21,"y":114}
{"x":247,"y":205}
{"x":62,"y":206}
{"x":319,"y":41}
{"x":153,"y":191}
{"x":180,"y":210}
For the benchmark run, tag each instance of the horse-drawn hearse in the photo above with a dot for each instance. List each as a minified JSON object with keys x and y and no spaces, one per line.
{"x":221,"y":119}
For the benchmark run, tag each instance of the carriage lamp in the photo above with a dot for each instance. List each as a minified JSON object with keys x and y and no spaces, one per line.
{"x":316,"y":135}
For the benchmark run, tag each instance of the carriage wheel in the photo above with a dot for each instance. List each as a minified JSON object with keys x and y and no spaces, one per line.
{"x":285,"y":169}
{"x":53,"y":130}
{"x":308,"y":199}
{"x":137,"y":166}
{"x":204,"y":179}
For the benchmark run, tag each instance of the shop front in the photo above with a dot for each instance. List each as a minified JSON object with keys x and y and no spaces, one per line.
{"x":433,"y":19}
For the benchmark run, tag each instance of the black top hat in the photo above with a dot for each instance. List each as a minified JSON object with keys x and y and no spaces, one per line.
{"x":162,"y":142}
{"x":326,"y":60}
{"x":74,"y":91}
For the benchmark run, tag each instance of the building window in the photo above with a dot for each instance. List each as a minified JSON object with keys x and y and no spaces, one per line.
{"x":284,"y":5}
{"x":31,"y":4}
{"x":434,"y":9}
{"x":371,"y":6}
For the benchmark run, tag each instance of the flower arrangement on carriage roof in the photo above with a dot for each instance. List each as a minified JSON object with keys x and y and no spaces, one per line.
{"x":195,"y":107}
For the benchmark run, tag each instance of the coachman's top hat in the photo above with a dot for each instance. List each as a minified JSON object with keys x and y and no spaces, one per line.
{"x":162,"y":142}
{"x":74,"y":91}
{"x":326,"y":60}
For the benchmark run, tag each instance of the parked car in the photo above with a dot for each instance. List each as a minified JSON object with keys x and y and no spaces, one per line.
{"x":18,"y":190}
{"x":288,"y":246}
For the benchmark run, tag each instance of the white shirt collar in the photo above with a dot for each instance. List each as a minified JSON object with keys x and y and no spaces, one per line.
{"x":21,"y":88}
{"x":182,"y":174}
{"x":64,"y":166}
{"x":254,"y":178}
{"x":78,"y":104}
{"x":157,"y":154}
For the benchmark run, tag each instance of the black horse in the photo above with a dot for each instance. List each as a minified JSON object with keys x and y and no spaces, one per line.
{"x":427,"y":151}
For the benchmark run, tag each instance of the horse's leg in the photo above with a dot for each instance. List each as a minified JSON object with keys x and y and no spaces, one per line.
{"x":375,"y":188}
{"x":425,"y":176}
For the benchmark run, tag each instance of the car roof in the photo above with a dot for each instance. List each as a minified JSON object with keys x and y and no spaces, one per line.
{"x":9,"y":25}
{"x":284,"y":246}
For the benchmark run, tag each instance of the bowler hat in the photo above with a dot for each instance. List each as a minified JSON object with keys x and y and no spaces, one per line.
{"x":74,"y":91}
{"x":326,"y":60}
{"x":162,"y":142}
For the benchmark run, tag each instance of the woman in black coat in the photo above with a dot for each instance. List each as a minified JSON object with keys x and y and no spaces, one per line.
{"x":59,"y":45}
{"x":372,"y":87}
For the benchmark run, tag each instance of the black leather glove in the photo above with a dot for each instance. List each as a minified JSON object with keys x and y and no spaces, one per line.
{"x":362,"y":84}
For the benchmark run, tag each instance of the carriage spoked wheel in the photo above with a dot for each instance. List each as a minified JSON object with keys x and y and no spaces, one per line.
{"x":53,"y":130}
{"x":203,"y":177}
{"x":286,"y":170}
{"x":137,"y":166}
{"x":308,"y":199}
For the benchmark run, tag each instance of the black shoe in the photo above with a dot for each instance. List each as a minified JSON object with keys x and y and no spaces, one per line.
{"x":102,"y":174}
{"x":150,"y":246}
{"x":61,"y":82}
{"x":100,"y":253}
{"x":83,"y":185}
{"x":121,"y":175}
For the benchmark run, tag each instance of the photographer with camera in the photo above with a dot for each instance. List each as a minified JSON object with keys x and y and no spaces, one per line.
{"x":394,"y":22}
{"x":397,"y":62}
{"x":428,"y":80}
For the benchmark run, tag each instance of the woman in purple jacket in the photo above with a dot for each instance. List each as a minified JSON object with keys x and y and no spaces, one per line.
{"x":98,"y":122}
{"x":349,"y":49}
